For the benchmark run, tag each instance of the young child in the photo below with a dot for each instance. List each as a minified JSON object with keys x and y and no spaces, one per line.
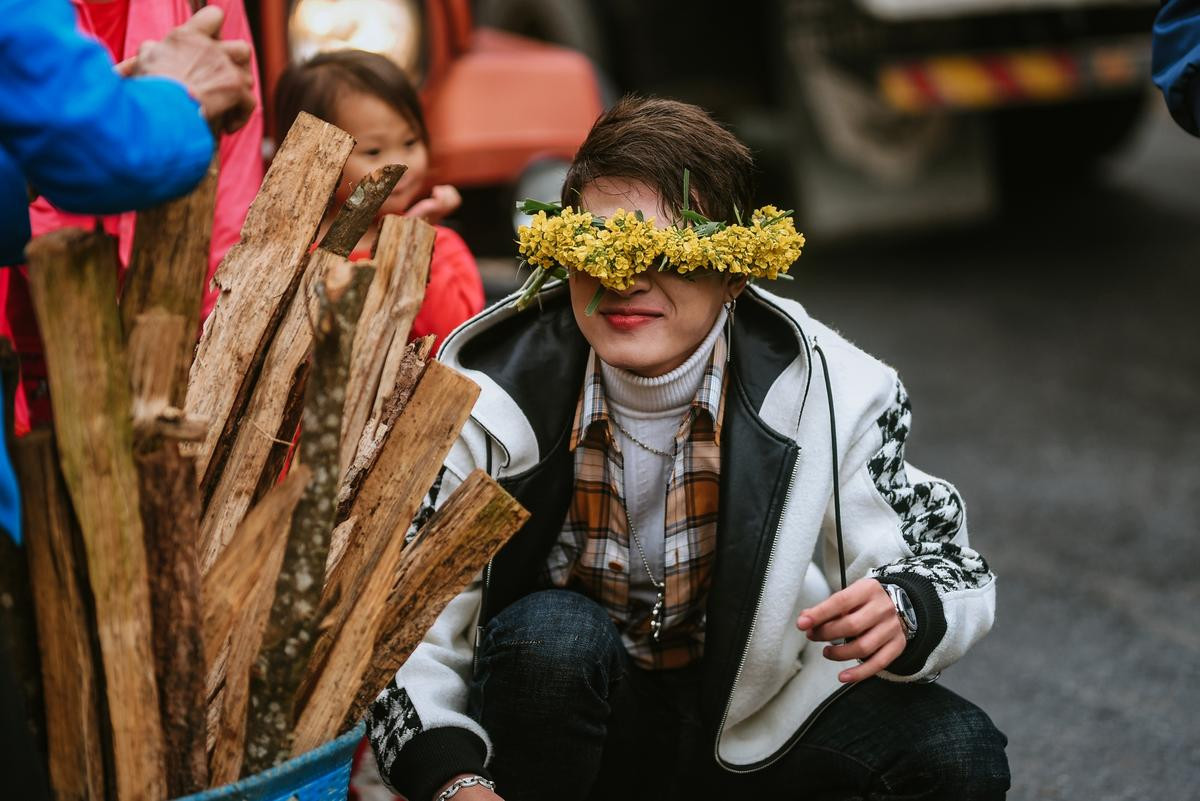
{"x":369,"y":97}
{"x":717,"y":483}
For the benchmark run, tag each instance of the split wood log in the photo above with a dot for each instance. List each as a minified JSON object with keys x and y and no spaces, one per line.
{"x":70,"y":659}
{"x":269,"y":420}
{"x":260,"y":442}
{"x":383,"y":511}
{"x":292,"y":626}
{"x":257,"y":278}
{"x":157,"y":343}
{"x":171,"y":244}
{"x":360,"y":209}
{"x":374,"y":434}
{"x":402,"y":255}
{"x":238,"y":592}
{"x":170,"y":509}
{"x":401,"y":600}
{"x":73,"y":279}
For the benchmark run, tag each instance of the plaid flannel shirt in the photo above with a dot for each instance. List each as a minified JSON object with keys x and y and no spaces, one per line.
{"x":593,"y":554}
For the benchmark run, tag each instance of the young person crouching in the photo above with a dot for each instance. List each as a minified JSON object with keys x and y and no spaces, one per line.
{"x":732,"y":584}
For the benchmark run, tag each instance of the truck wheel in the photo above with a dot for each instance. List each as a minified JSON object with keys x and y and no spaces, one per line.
{"x":1071,"y":139}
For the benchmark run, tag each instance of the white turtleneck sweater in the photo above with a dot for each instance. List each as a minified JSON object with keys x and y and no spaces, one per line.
{"x":652,"y":409}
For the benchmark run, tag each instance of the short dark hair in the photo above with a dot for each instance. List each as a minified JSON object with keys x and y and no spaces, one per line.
{"x":652,"y":140}
{"x":314,"y":86}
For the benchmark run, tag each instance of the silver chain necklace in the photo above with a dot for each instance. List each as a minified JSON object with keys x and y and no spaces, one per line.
{"x":658,"y":613}
{"x":638,"y":442}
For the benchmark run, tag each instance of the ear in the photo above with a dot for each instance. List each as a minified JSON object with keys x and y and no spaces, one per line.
{"x":734,"y":287}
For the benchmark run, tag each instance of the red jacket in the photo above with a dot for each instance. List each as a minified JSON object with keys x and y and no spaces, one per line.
{"x":241,"y":175}
{"x":455,"y":291}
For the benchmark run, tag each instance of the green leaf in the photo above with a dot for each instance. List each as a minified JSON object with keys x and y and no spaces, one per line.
{"x":662,"y":264}
{"x":640,"y":217}
{"x":737,"y":214}
{"x":693,"y":217}
{"x":531,"y":207}
{"x":709,"y":228}
{"x":779,"y":217}
{"x":560,"y":273}
{"x":594,"y":303}
{"x":687,"y":181}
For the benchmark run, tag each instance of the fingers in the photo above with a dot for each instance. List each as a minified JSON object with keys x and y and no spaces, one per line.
{"x":878,"y":661}
{"x":839,"y":604}
{"x":207,"y":22}
{"x":127,"y":67}
{"x":867,"y":644}
{"x":238,"y":51}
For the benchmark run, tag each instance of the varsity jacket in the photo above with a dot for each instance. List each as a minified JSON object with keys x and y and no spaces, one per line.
{"x":803,"y":405}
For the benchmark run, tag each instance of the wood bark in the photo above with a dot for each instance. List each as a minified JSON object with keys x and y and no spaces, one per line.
{"x":169,"y":264}
{"x":475,"y":522}
{"x":402,"y":255}
{"x":292,"y":626}
{"x":238,"y":592}
{"x":257,"y":279}
{"x":385,"y":506}
{"x":401,"y":598}
{"x":171,"y":515}
{"x":70,"y":658}
{"x":269,"y":419}
{"x":374,"y":434}
{"x":170,"y":509}
{"x":73,"y":283}
{"x":360,"y":209}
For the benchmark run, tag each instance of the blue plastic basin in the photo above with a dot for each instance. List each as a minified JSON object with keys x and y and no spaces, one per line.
{"x":322,"y":774}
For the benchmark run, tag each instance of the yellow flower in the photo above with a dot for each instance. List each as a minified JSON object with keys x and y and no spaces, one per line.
{"x":627,"y":245}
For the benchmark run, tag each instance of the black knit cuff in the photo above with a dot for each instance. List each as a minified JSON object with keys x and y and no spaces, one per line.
{"x":435,"y":756}
{"x":931,"y":622}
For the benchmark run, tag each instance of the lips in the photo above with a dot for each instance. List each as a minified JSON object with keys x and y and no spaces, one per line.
{"x":628,"y":318}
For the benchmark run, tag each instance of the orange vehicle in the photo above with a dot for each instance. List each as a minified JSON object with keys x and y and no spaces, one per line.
{"x":505,"y":113}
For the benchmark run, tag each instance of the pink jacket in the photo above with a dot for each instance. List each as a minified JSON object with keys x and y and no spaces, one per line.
{"x":240,"y":177}
{"x":241,"y":153}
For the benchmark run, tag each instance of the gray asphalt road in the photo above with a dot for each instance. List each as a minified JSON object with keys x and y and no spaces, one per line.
{"x":1053,"y":360}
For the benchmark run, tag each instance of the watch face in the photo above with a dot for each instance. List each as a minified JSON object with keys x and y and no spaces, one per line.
{"x":905,"y":608}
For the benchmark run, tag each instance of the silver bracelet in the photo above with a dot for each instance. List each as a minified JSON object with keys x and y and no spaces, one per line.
{"x":465,"y":781}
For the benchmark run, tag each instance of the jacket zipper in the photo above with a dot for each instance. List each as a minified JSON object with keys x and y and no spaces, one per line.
{"x":762,"y":587}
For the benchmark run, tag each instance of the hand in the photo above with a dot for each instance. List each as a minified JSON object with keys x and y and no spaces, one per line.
{"x":442,"y":201}
{"x":473,"y":793}
{"x":864,"y":614}
{"x":217,"y":74}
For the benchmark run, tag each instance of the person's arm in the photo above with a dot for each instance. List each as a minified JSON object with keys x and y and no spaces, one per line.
{"x":904,"y":527}
{"x":1175,"y":60}
{"x":90,"y":140}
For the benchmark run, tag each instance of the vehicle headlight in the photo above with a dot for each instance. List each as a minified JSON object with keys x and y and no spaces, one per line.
{"x":390,"y":27}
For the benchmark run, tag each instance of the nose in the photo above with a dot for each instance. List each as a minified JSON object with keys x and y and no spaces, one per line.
{"x":641,"y":283}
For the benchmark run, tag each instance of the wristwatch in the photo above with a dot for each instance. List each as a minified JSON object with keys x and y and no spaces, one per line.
{"x":904,"y":609}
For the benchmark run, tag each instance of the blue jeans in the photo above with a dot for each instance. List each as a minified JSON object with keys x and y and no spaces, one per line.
{"x":570,"y":716}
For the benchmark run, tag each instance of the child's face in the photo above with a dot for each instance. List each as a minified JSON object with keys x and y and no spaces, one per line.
{"x":655,"y":325}
{"x":383,"y":137}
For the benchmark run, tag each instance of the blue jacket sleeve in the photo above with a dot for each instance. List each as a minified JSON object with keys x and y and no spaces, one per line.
{"x":88,"y":140}
{"x":1176,"y":60}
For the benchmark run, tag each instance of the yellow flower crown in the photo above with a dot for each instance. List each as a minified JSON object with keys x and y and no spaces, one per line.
{"x":616,"y":249}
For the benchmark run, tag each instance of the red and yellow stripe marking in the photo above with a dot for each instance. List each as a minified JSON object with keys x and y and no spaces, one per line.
{"x":981,"y":81}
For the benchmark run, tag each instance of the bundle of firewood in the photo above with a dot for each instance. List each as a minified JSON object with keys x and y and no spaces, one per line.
{"x":205,"y":610}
